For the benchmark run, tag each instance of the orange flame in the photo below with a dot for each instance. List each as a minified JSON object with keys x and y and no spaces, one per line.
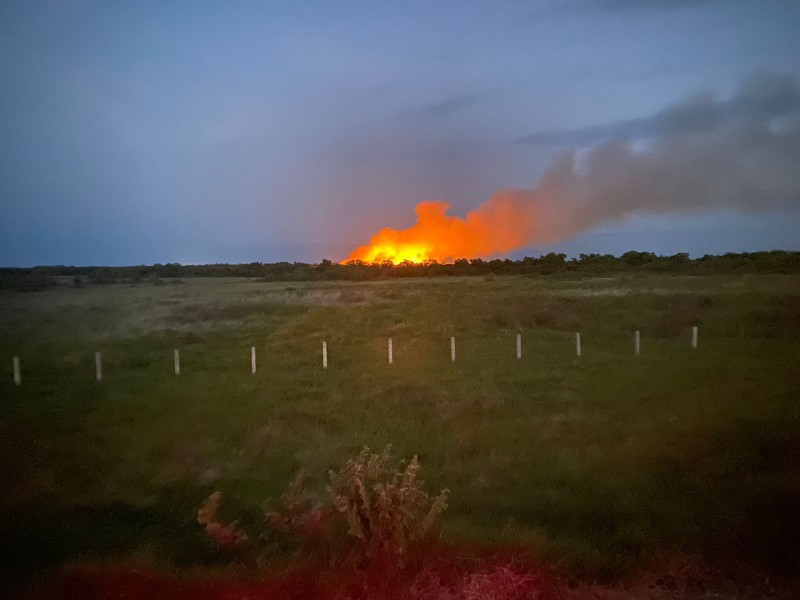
{"x":500,"y":225}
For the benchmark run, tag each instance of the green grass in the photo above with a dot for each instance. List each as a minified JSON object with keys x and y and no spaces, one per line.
{"x":603,"y":461}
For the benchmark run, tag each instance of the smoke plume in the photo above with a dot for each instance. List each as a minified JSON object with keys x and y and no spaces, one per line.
{"x":702,"y":154}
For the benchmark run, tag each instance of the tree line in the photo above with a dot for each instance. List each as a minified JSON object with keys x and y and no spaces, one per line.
{"x":43,"y":277}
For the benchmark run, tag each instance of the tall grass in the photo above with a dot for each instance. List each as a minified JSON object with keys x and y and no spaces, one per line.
{"x":603,"y":462}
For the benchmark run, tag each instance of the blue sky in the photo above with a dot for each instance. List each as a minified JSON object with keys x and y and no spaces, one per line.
{"x":192,"y":132}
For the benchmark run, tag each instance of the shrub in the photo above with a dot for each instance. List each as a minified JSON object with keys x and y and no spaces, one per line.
{"x":384,"y":504}
{"x":379,"y":501}
{"x":19,"y":280}
{"x":306,"y":522}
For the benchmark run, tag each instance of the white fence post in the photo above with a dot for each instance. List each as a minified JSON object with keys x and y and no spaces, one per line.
{"x":324,"y":355}
{"x":519,"y":345}
{"x":694,"y":337}
{"x":253,"y":360}
{"x":17,"y":371}
{"x":98,"y":366}
{"x":452,"y":349}
{"x":177,"y":357}
{"x":577,"y":343}
{"x":390,"y":351}
{"x":636,"y":343}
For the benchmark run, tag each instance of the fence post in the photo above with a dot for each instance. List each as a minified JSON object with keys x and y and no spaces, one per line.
{"x":324,"y":355}
{"x":98,"y":366}
{"x":519,"y":345}
{"x":390,"y":351}
{"x":452,"y":349}
{"x":177,"y":357}
{"x":636,"y":344}
{"x":694,"y":337}
{"x":578,"y":343}
{"x":17,"y":371}
{"x":253,"y":360}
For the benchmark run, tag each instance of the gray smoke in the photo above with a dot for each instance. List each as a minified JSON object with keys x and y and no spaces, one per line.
{"x":701,"y":154}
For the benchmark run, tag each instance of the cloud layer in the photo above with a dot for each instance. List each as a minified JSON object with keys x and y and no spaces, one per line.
{"x":762,"y":96}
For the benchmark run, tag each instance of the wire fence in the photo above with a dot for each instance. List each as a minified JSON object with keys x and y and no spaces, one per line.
{"x":98,"y":357}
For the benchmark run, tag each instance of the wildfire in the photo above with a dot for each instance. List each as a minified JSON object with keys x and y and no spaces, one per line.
{"x":499,"y":225}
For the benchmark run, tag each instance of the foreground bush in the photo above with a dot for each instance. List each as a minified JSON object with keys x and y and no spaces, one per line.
{"x":379,"y":501}
{"x":384,"y":503}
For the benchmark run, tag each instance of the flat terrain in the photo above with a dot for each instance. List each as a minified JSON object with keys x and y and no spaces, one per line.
{"x":602,"y":462}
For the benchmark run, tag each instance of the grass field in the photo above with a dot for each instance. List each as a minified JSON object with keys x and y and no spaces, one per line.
{"x":602,"y":462}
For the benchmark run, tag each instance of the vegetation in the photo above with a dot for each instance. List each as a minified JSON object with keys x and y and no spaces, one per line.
{"x":386,"y":507}
{"x":602,"y":464}
{"x":377,"y":504}
{"x":776,"y":261}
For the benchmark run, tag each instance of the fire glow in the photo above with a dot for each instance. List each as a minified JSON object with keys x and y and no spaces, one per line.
{"x":497,"y":226}
{"x":743,"y":164}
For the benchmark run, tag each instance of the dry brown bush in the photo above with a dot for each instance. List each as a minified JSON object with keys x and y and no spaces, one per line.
{"x":380,"y":501}
{"x":384,"y":504}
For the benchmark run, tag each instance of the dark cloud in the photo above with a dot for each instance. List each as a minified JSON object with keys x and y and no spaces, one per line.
{"x":619,"y":7}
{"x":586,"y":135}
{"x":646,"y":5}
{"x":441,"y":110}
{"x":642,"y":74}
{"x":761,"y":96}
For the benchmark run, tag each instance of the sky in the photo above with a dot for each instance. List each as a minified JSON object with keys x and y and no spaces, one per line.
{"x":196,"y":132}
